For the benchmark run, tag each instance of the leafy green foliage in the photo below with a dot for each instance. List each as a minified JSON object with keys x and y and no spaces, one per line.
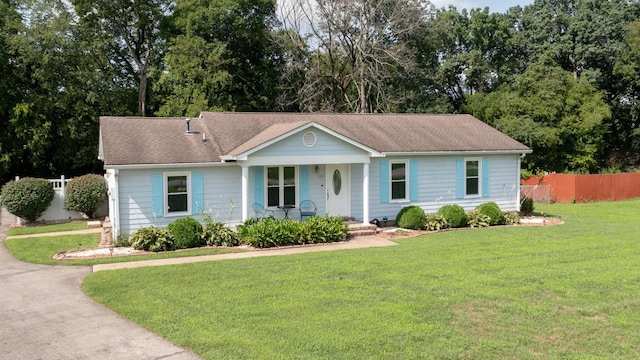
{"x":271,"y":232}
{"x":41,"y":229}
{"x":411,"y":217}
{"x":86,"y":194}
{"x":561,"y":117}
{"x":27,"y":198}
{"x":455,"y":215}
{"x":436,"y":222}
{"x":492,"y":210}
{"x":187,"y":233}
{"x":526,"y":206}
{"x":217,"y":234}
{"x":511,"y":217}
{"x":152,"y":239}
{"x":476,"y":219}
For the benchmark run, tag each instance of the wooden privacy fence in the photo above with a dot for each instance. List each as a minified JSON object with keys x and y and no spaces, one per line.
{"x":587,"y":188}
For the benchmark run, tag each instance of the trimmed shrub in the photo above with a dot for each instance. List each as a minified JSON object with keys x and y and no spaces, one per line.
{"x":455,"y":215}
{"x":27,"y":198}
{"x":216,"y":234}
{"x":476,"y":219}
{"x":411,"y":217}
{"x":511,"y":218}
{"x":436,"y":222}
{"x":187,"y":233}
{"x":492,"y":210}
{"x":152,"y":239}
{"x":86,"y":193}
{"x":526,"y":206}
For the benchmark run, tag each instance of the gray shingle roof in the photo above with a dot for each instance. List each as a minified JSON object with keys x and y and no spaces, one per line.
{"x":132,"y":141}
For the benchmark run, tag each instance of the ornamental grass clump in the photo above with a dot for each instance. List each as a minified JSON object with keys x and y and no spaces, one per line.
{"x":526,"y":206}
{"x":187,"y":233}
{"x":27,"y":198}
{"x":455,"y":215}
{"x":86,"y":193}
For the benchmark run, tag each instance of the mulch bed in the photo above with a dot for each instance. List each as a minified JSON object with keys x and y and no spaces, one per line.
{"x":394,"y":233}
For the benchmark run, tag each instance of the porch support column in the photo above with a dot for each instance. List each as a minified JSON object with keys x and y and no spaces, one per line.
{"x":365,"y":194}
{"x":245,"y":192}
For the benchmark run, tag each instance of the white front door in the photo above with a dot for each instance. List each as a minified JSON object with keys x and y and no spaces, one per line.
{"x":337,"y":190}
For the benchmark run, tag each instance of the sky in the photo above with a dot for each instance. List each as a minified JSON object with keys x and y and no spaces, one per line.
{"x":499,"y":6}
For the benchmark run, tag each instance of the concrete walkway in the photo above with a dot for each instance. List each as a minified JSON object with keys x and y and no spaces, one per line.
{"x":356,"y":243}
{"x":45,"y":315}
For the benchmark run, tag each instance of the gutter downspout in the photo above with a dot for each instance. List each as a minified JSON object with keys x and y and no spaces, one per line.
{"x":518,"y":182}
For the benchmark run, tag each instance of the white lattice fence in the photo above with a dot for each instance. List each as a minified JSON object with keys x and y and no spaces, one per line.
{"x":57,"y":211}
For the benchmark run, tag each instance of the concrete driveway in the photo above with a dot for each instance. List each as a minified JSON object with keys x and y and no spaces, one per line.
{"x":45,"y":315}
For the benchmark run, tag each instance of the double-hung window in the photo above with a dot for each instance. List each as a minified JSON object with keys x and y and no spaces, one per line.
{"x":399,"y":182}
{"x":177,"y":193}
{"x":472,"y":177}
{"x":281,"y":186}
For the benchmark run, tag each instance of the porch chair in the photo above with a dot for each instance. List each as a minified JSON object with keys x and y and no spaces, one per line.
{"x":307,"y":208}
{"x":261,"y":212}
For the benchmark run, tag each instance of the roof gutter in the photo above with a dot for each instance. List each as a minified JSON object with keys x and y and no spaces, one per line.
{"x":460,"y":152}
{"x":173,"y":166}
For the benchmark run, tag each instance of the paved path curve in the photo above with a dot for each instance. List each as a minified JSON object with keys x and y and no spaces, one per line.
{"x":45,"y":315}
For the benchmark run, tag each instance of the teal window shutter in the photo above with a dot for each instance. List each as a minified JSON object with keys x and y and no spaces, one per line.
{"x":413,"y":180}
{"x":197,"y":193}
{"x":384,"y":181}
{"x":486,"y":177}
{"x":157,"y":195}
{"x":460,"y":178}
{"x":304,"y":182}
{"x":258,"y":185}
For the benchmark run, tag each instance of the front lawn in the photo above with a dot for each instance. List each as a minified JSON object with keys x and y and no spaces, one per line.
{"x":40,"y":250}
{"x":567,"y":291}
{"x":41,"y":229}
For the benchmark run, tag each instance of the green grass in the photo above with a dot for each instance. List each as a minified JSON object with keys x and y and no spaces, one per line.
{"x":40,"y":250}
{"x":41,"y":229}
{"x":563,"y":292}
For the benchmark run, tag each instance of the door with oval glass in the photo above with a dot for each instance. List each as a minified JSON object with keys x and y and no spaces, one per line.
{"x":338,"y":190}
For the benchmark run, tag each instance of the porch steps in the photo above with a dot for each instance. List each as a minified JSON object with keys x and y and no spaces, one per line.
{"x":361,"y":230}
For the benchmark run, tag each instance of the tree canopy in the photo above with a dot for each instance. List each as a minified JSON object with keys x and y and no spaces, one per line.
{"x":562,"y":76}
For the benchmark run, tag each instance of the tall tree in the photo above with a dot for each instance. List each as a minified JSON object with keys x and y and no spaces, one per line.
{"x":585,"y":37}
{"x":474,"y":50}
{"x":235,"y":63}
{"x":563,"y":119}
{"x":60,"y":85}
{"x":355,"y":51}
{"x":131,"y":30}
{"x":10,"y":82}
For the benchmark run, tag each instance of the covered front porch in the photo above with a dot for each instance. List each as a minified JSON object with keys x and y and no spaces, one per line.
{"x":340,"y":189}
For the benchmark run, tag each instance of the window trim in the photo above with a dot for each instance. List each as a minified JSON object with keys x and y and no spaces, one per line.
{"x":407,"y":186}
{"x":479,"y":194}
{"x":165,"y":185}
{"x":296,"y":180}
